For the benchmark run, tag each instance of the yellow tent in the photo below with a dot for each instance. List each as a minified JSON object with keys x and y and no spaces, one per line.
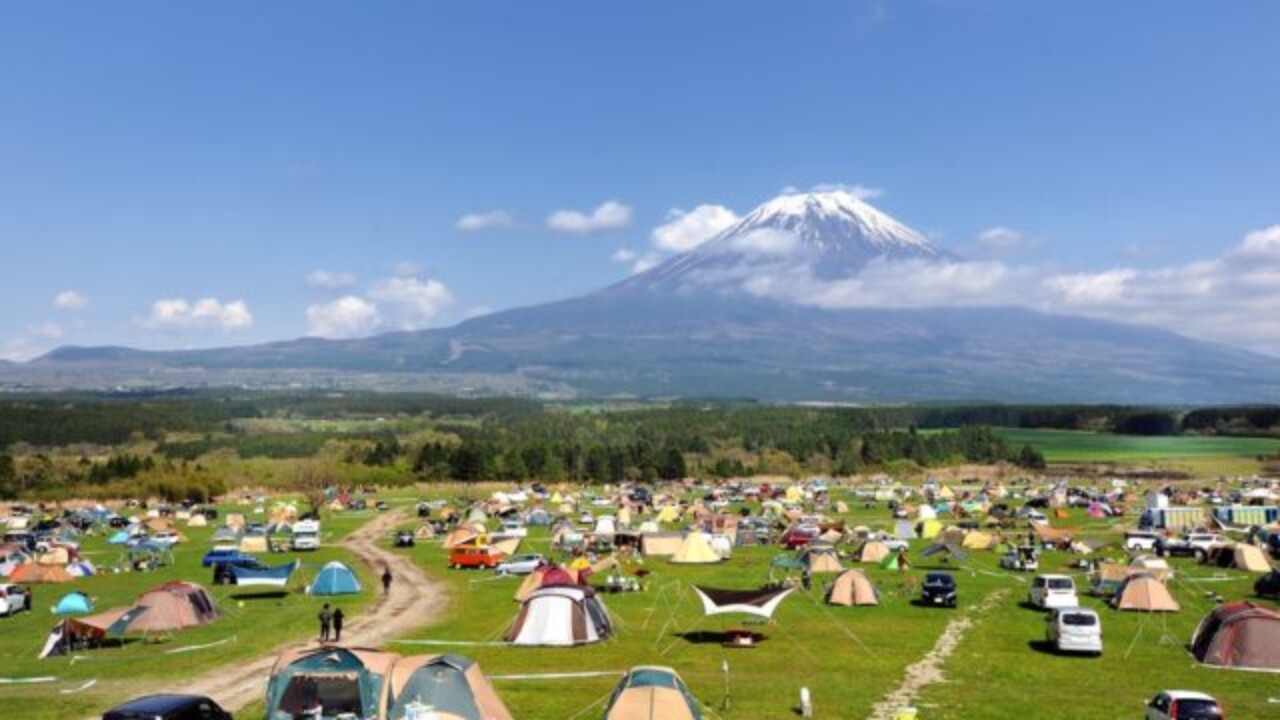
{"x":872,"y":552}
{"x":929,"y":529}
{"x":794,"y":494}
{"x":668,"y":514}
{"x":624,"y":516}
{"x":946,"y":493}
{"x":978,"y":540}
{"x":695,"y":550}
{"x":1250,"y":558}
{"x":823,"y":562}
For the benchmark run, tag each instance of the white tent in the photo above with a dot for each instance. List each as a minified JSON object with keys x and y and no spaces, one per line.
{"x":696,"y":550}
{"x":560,"y":615}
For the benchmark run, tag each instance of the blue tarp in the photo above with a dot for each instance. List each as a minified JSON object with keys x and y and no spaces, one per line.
{"x":275,"y":576}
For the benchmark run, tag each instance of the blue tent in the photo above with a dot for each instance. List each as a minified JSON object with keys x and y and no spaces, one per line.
{"x":335,"y":578}
{"x":119,"y":538}
{"x":73,"y":602}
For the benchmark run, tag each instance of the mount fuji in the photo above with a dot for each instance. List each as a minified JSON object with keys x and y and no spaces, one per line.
{"x":707,"y":323}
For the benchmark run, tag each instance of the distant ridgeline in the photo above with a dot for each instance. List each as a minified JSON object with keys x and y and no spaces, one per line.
{"x":177,"y":444}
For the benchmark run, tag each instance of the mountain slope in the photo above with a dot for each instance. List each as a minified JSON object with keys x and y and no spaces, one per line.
{"x":691,"y":327}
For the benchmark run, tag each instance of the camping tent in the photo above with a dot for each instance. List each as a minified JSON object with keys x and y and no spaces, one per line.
{"x":978,"y":540}
{"x":696,"y":550}
{"x":872,"y":552}
{"x":663,"y":544}
{"x":651,"y":693}
{"x":35,"y":573}
{"x":1250,"y":558}
{"x":173,"y":606}
{"x":339,"y":680}
{"x":1239,"y":635}
{"x":253,"y":544}
{"x":1144,"y":593}
{"x":546,"y":575}
{"x":929,"y":528}
{"x":668,"y":514}
{"x":462,"y":536}
{"x":852,"y":588}
{"x":508,"y":546}
{"x":895,"y":561}
{"x":73,"y":603}
{"x":562,"y":616}
{"x":81,"y":632}
{"x":822,"y":560}
{"x":335,"y":578}
{"x":1111,"y":576}
{"x":425,"y":531}
{"x":446,"y":687}
{"x":197,"y":520}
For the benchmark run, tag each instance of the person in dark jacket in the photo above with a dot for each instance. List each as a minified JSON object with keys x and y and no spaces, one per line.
{"x":326,"y":620}
{"x":386,"y":580}
{"x":338,"y":617}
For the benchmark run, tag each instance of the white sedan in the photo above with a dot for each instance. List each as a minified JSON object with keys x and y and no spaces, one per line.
{"x":520,"y":564}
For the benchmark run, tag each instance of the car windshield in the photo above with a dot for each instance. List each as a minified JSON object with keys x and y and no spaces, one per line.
{"x":1079,"y":619}
{"x":1198,"y":710}
{"x":1061,"y":584}
{"x":938,"y":579}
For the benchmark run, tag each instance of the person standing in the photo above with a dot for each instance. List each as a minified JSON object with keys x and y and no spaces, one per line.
{"x":326,"y":620}
{"x":386,"y":580}
{"x":338,"y":617}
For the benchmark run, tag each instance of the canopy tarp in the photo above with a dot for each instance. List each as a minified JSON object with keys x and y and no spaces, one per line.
{"x":761,"y":602}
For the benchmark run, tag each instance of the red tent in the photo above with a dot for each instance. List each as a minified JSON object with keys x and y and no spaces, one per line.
{"x":1239,"y":635}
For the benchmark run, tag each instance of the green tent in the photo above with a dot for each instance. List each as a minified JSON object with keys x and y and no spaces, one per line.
{"x":892,"y":562}
{"x":341,"y":681}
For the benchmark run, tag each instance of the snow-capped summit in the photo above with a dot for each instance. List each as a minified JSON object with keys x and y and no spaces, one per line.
{"x":834,"y":233}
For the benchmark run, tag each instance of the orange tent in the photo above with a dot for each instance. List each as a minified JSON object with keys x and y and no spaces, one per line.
{"x":34,"y":573}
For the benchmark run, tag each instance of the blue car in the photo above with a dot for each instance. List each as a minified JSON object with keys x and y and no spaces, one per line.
{"x":225,"y":557}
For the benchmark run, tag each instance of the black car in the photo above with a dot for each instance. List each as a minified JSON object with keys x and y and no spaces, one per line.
{"x":424,"y":510}
{"x":404,"y":538}
{"x":1268,"y":585}
{"x":168,"y":707}
{"x":939,"y":589}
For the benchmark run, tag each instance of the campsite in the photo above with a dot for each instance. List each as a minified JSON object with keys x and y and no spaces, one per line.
{"x":852,"y":659}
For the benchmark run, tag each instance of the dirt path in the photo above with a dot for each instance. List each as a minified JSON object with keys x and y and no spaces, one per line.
{"x":928,"y":670}
{"x":415,"y":600}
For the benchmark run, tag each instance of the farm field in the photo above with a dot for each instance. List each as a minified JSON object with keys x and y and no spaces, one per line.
{"x":1080,"y":446}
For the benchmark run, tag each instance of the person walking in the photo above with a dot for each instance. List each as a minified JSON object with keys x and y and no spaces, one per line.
{"x":338,"y":617}
{"x":326,"y":620}
{"x":386,"y":580}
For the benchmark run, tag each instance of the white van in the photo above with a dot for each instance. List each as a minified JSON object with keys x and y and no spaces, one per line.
{"x":1074,"y":629}
{"x":306,"y":535}
{"x":1053,"y":591}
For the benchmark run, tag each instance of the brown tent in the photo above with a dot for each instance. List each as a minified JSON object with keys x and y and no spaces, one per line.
{"x":173,"y":606}
{"x":35,"y":573}
{"x":461,"y":536}
{"x":651,"y":693}
{"x":452,"y":686}
{"x":1239,"y":635}
{"x":822,"y":561}
{"x":872,"y":552}
{"x":852,"y":588}
{"x":1143,"y":593}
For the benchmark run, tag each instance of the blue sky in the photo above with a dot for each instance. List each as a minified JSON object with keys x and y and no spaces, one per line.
{"x":153,"y":155}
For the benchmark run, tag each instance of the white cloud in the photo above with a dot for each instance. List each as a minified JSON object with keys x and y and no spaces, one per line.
{"x":609,"y":215}
{"x":49,"y":331}
{"x":475,"y":222}
{"x":623,"y":255}
{"x":346,"y":317}
{"x":414,"y":302}
{"x":1234,"y":298}
{"x":202,"y":314}
{"x":70,"y":300}
{"x":325,"y":280}
{"x":645,"y":262}
{"x":685,"y":231}
{"x":1000,"y":238}
{"x":862,"y":192}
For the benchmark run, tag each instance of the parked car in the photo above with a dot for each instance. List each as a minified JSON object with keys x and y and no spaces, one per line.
{"x":215,"y":557}
{"x":404,"y":538}
{"x":1074,"y":629}
{"x":381,"y":506}
{"x":14,"y":599}
{"x":800,"y":535}
{"x":1143,"y":540}
{"x":424,"y":509}
{"x":513,"y":528}
{"x":1268,"y":585}
{"x":520,"y":564}
{"x":1194,"y":544}
{"x":168,"y":707}
{"x":1184,"y":705}
{"x":473,"y":557}
{"x":1053,"y":591}
{"x":939,"y":589}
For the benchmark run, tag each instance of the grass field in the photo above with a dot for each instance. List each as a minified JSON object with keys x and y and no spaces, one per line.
{"x":1077,"y":446}
{"x":851,"y":657}
{"x":255,"y":625}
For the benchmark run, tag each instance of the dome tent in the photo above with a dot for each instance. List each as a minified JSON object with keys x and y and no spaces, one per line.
{"x":449,"y":687}
{"x":73,"y":603}
{"x":1144,"y":593}
{"x":852,"y":588}
{"x":696,"y":550}
{"x":335,"y":578}
{"x":560,"y":616}
{"x":1239,"y":635}
{"x":339,"y":680}
{"x":651,"y":693}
